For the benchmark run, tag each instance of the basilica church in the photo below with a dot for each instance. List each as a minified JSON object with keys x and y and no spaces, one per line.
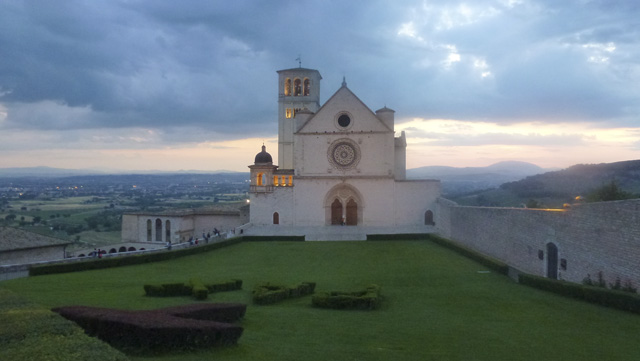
{"x":341,"y":170}
{"x":340,"y":175}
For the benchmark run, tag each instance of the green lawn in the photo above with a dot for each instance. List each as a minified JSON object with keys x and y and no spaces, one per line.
{"x":438,"y":306}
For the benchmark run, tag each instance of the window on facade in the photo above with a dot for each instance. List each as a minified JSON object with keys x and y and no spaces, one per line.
{"x":158,"y":230}
{"x":290,"y":113}
{"x":290,"y":180}
{"x":275,"y":180}
{"x":297,"y":87}
{"x":283,"y":181}
{"x":276,"y":218}
{"x":307,"y":86}
{"x":167,"y":231}
{"x":149,"y":230}
{"x":259,"y":179}
{"x":287,"y":87}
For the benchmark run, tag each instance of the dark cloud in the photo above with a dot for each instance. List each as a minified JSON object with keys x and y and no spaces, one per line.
{"x":211,"y":65}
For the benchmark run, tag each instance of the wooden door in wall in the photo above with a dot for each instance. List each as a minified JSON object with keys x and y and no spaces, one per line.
{"x":352,"y":213}
{"x":336,"y":212}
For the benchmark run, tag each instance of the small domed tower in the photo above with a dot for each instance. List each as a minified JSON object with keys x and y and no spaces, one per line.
{"x":261,"y":172}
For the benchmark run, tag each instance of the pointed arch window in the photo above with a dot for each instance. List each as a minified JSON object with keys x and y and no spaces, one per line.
{"x":158,"y":230}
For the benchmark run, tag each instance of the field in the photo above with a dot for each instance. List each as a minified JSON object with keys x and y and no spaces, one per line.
{"x":437,"y":306}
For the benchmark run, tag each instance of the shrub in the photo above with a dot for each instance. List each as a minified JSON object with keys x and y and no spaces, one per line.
{"x":30,"y":333}
{"x":265,"y":294}
{"x":195,"y":287}
{"x":169,"y":329}
{"x":368,"y":299}
{"x":128,"y":260}
{"x":594,"y":294}
{"x":198,"y":289}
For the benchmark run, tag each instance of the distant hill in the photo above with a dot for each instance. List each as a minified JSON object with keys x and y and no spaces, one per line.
{"x":48,"y":172}
{"x":44,"y":172}
{"x":553,"y":189}
{"x":457,"y":181}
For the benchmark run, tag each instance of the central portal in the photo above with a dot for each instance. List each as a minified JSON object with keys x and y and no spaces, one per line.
{"x":343,"y":206}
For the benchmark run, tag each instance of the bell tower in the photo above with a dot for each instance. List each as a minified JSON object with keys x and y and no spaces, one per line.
{"x":298,"y":88}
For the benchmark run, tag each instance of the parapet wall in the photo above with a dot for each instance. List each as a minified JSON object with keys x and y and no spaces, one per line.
{"x":590,"y":238}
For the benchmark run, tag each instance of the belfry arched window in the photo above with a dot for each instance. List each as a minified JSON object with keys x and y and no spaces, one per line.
{"x":297,"y":87}
{"x":307,"y":86}
{"x":260,"y":179}
{"x":287,"y":87}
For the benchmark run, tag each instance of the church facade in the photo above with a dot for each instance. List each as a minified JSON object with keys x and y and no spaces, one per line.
{"x":341,"y":169}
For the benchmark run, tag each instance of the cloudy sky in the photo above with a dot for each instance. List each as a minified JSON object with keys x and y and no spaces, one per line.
{"x":168,"y":85}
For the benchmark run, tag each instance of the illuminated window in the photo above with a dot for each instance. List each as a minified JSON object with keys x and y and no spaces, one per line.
{"x":297,"y":87}
{"x":290,"y":180}
{"x":284,"y":182}
{"x":290,"y":113}
{"x":259,"y":179}
{"x":287,"y":87}
{"x":307,"y":85}
{"x":275,"y":180}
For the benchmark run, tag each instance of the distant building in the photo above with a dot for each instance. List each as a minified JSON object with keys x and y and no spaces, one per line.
{"x":18,"y":246}
{"x":181,"y":224}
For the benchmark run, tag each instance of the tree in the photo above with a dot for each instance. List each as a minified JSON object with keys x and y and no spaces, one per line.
{"x":10,"y":217}
{"x":608,"y":192}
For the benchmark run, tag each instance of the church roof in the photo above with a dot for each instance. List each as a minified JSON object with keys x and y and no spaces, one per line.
{"x":15,"y":238}
{"x":342,"y":89}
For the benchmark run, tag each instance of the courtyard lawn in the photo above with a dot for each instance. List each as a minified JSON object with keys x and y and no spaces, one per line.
{"x":437,"y":305}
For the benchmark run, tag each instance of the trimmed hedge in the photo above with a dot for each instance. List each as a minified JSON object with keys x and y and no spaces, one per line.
{"x":266,"y":294}
{"x":100,"y":263}
{"x":29,"y":333}
{"x":605,"y":297}
{"x":169,"y":329}
{"x":273,"y":238}
{"x":398,"y":237}
{"x":486,"y":261}
{"x":195,"y":287}
{"x":368,"y":299}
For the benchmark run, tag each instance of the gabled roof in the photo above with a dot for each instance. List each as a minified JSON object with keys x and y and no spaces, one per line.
{"x":341,"y":90}
{"x":12,"y":239}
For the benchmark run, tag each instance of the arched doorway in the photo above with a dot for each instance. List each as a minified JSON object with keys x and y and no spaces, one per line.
{"x":352,"y":213}
{"x":552,"y":261}
{"x":428,"y":218}
{"x":336,"y":212}
{"x":276,"y":218}
{"x":343,"y":204}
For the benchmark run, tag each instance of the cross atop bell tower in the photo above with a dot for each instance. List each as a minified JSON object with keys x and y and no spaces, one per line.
{"x":298,"y":88}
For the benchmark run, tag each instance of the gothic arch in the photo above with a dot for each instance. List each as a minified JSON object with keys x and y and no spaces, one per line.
{"x":343,"y":203}
{"x":167,"y":226}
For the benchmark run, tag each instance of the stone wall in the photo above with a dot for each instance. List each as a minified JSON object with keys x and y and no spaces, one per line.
{"x":590,"y":238}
